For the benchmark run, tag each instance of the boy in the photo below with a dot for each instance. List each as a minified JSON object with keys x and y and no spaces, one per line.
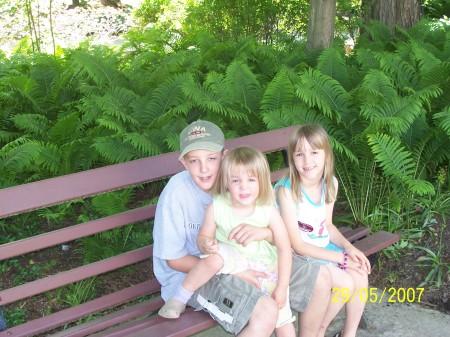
{"x":238,"y":306}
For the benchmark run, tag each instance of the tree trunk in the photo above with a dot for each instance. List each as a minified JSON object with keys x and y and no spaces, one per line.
{"x":401,"y":13}
{"x":322,"y":14}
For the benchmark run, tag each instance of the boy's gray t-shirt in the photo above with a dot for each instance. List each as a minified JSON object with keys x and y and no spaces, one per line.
{"x":179,"y":215}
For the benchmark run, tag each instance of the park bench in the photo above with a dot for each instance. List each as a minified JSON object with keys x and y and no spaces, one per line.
{"x":131,"y":317}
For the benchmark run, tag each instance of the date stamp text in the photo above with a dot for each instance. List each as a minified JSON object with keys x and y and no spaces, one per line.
{"x":375,"y":295}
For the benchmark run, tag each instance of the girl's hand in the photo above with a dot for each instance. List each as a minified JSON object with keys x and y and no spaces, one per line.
{"x":279,"y":295}
{"x":245,"y":234}
{"x":211,"y":247}
{"x":358,"y":259}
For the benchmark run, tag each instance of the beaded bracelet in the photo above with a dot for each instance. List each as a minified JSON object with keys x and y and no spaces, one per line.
{"x":343,"y":266}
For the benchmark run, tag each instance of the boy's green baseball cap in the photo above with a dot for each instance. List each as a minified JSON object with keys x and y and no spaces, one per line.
{"x":201,"y":135}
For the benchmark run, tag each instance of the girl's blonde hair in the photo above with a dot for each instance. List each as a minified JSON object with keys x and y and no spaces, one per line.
{"x":318,"y":138}
{"x":256,"y":163}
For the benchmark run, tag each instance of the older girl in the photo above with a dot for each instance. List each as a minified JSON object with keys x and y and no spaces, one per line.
{"x":306,"y":198}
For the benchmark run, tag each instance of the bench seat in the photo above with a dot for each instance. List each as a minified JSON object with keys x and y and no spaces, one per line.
{"x":130,"y":311}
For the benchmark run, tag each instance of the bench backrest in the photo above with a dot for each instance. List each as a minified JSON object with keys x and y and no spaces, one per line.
{"x":45,"y":193}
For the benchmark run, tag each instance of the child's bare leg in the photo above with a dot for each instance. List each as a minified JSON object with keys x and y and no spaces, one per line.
{"x":356,"y":307}
{"x":286,"y":330}
{"x":202,"y":272}
{"x":343,"y":285}
{"x":198,"y":276}
{"x":309,"y":321}
{"x":263,"y":319}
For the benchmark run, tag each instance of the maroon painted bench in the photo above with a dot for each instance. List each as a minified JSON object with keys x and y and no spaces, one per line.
{"x":139,"y":318}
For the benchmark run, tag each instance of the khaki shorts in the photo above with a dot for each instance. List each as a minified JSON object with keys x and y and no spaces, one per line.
{"x":303,"y":280}
{"x":230,"y":301}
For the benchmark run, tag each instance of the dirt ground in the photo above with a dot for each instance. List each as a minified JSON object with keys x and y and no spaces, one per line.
{"x":404,"y":273}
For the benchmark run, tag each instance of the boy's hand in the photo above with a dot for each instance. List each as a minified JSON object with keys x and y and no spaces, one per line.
{"x":211,"y":247}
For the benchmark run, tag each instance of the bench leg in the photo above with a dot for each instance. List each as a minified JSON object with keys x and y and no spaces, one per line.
{"x":373,"y":259}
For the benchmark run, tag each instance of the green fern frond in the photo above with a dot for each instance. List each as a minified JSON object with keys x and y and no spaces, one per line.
{"x":243,"y":85}
{"x":420,"y":187}
{"x":279,"y":92}
{"x":393,"y":158}
{"x":379,"y":85}
{"x":50,"y":158}
{"x":142,"y":143}
{"x":432,"y":150}
{"x":209,"y":100}
{"x":205,"y":97}
{"x":401,"y":71}
{"x":167,"y":96}
{"x":331,"y":63}
{"x":114,"y":149}
{"x":426,"y":60}
{"x":27,"y":91}
{"x":78,"y":155}
{"x":45,"y":72}
{"x":379,"y":32}
{"x":32,"y":123}
{"x":397,"y":163}
{"x":442,"y":119}
{"x":8,"y":136}
{"x":16,"y":158}
{"x":65,"y":129}
{"x":89,"y":110}
{"x":112,"y":124}
{"x":342,"y":149}
{"x":427,"y":94}
{"x":294,"y":114}
{"x":321,"y":91}
{"x":395,"y":115}
{"x":367,"y":59}
{"x":173,"y":142}
{"x":112,"y":203}
{"x":97,"y":66}
{"x":117,"y":103}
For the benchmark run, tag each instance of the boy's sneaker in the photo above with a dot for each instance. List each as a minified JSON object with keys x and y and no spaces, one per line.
{"x":172,"y":309}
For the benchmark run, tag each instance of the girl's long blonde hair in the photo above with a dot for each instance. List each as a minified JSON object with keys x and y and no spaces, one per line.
{"x":256,"y":163}
{"x":317,"y":137}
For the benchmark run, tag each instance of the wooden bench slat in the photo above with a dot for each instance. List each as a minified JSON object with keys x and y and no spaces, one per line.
{"x":48,"y":192}
{"x":107,"y":321}
{"x":189,"y":323}
{"x":56,"y":237}
{"x":74,"y":275}
{"x":60,"y":318}
{"x":131,"y":327}
{"x":376,"y":242}
{"x":353,"y":234}
{"x":277,"y":175}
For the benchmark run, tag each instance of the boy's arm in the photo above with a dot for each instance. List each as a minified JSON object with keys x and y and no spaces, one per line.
{"x":183,"y":264}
